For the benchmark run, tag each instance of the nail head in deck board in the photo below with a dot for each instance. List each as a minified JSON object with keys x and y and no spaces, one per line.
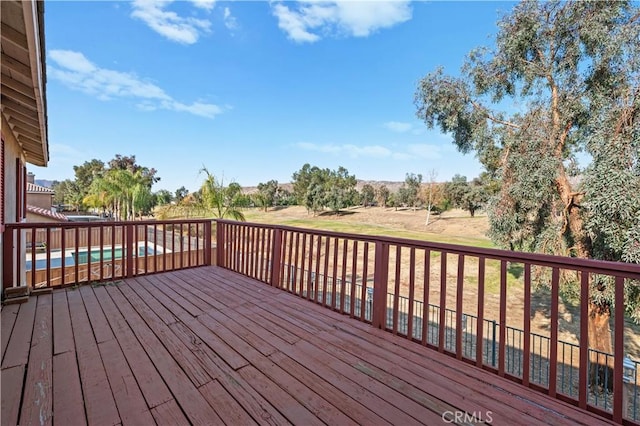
{"x":196,"y":408}
{"x":128,"y":396}
{"x":68,"y":404}
{"x":99,"y":402}
{"x":9,"y":314}
{"x":182,"y":355}
{"x":12,"y":380}
{"x":223,"y":403}
{"x":153,"y":388}
{"x":17,"y":352}
{"x":293,"y":411}
{"x":62,"y":331}
{"x":169,"y":413}
{"x":101,"y":329}
{"x":37,"y":398}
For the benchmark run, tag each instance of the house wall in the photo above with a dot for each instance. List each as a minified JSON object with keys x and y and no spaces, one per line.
{"x":41,"y":200}
{"x":12,"y":151}
{"x":31,"y":217}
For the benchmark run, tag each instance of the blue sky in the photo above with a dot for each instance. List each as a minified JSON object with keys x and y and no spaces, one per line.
{"x":254,"y":90}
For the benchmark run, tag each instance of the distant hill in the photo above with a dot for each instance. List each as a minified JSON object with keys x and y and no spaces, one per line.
{"x":392,"y":186}
{"x":44,"y":182}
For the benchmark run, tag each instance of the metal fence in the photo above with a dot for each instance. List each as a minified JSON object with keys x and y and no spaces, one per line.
{"x":600,"y":394}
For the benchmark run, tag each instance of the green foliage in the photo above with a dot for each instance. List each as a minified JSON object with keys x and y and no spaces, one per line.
{"x":367,"y":195}
{"x":223,"y":202}
{"x":562,"y":79}
{"x":318,"y":188}
{"x":382,"y":195}
{"x":268,"y":193}
{"x":163,"y":197}
{"x":181,"y":193}
{"x":469,"y":196}
{"x":410,"y":190}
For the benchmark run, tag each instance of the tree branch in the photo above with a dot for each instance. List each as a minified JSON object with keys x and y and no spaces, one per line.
{"x":492,"y":117}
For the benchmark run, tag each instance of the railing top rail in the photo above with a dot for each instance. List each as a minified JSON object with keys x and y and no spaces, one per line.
{"x":625,"y":270}
{"x":97,"y":224}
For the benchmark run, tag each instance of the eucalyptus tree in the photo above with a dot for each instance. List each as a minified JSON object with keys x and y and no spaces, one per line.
{"x":268,"y":193}
{"x":382,"y":195}
{"x":411,"y":189}
{"x":368,"y":195}
{"x":562,"y":78}
{"x":339,"y":189}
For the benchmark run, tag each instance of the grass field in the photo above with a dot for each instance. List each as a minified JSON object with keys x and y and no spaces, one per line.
{"x":452,"y":227}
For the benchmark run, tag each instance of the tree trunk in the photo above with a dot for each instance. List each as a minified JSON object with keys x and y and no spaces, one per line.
{"x":601,"y":368}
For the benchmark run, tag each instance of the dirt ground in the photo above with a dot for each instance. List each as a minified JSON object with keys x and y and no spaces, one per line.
{"x":457,"y":223}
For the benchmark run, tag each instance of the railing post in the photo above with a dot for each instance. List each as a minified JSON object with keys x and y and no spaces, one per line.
{"x":276,"y":257}
{"x":221,"y":247}
{"x":129,"y":248}
{"x":207,"y":243}
{"x":8,"y":253}
{"x":380,"y":280}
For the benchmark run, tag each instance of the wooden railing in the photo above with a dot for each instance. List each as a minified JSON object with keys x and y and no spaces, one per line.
{"x":394,"y":284}
{"x":43,"y":255}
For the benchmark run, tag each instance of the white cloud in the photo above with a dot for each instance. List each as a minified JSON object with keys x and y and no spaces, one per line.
{"x":204,"y":4}
{"x":308,"y":20}
{"x":229,"y":20}
{"x":75,"y":71}
{"x":398,"y":126}
{"x":412,"y":151}
{"x":169,"y":24}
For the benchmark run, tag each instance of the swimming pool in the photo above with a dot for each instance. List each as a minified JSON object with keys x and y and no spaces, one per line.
{"x":83,"y":257}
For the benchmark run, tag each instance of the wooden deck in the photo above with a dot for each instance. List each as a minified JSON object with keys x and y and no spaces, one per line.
{"x":208,"y":346}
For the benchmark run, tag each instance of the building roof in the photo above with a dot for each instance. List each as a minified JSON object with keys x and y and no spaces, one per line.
{"x":24,"y":105}
{"x":47,"y":213}
{"x":32,"y":187}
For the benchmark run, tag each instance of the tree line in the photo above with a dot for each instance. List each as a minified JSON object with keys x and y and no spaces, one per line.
{"x":122,"y":189}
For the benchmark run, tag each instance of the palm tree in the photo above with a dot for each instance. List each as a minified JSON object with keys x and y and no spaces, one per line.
{"x":222,"y":202}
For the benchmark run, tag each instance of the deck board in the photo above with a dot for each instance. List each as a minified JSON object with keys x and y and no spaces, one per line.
{"x":9,"y":315}
{"x":98,"y":398}
{"x":62,"y":331}
{"x":17,"y":352}
{"x":208,"y":346}
{"x":39,"y":381}
{"x":195,"y":407}
{"x":153,"y":388}
{"x":68,"y":404}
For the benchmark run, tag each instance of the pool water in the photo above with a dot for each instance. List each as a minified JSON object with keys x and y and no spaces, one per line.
{"x":83,"y":257}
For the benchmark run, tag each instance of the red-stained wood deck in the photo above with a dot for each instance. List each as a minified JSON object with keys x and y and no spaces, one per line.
{"x":208,"y":346}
